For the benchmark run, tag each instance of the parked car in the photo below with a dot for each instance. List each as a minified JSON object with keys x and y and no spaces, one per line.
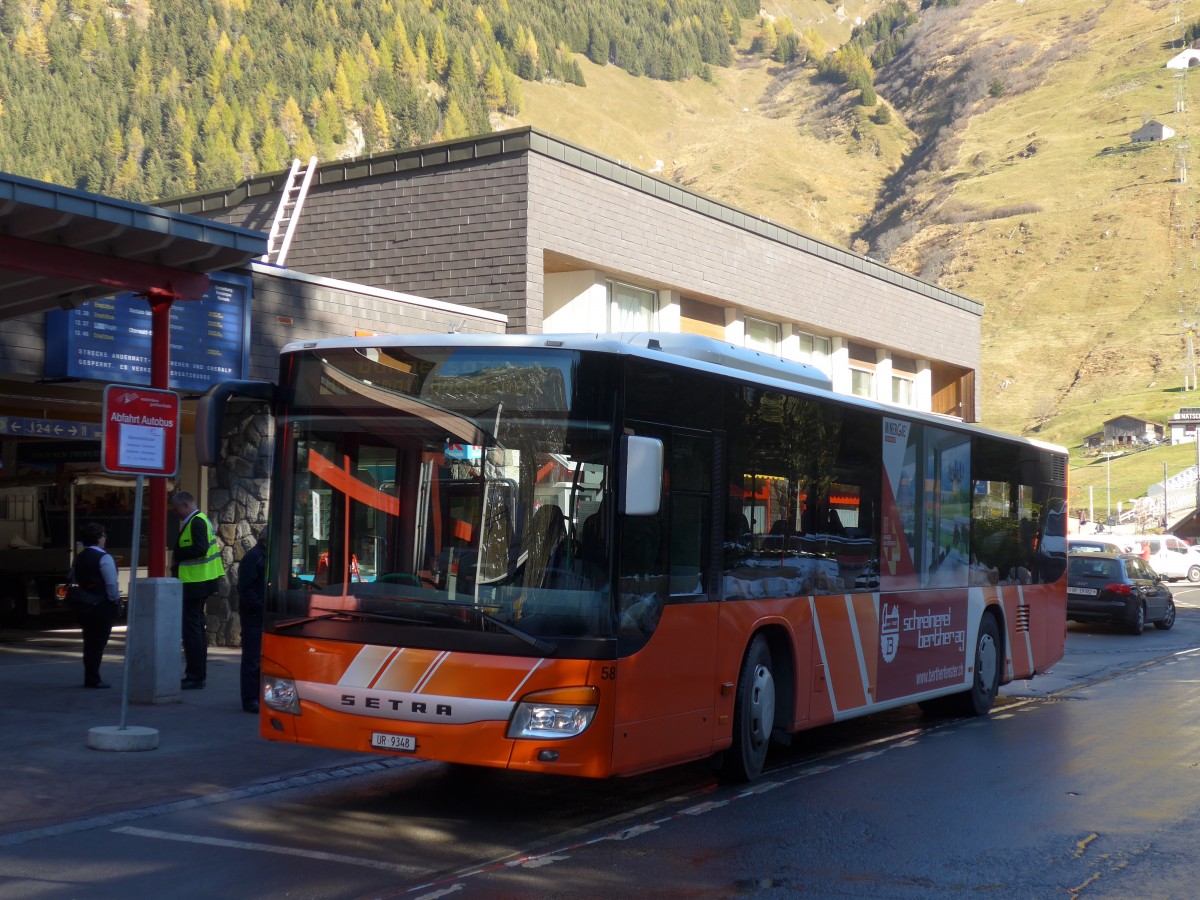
{"x":1169,"y":556}
{"x":1098,"y":544}
{"x":1117,"y":588}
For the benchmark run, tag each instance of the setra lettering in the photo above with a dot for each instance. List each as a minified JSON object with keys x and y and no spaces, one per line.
{"x":416,"y":707}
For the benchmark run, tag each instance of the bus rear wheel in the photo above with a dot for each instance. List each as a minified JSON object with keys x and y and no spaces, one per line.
{"x":753,"y":714}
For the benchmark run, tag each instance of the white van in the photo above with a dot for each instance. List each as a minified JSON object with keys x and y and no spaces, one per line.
{"x":1169,"y":557}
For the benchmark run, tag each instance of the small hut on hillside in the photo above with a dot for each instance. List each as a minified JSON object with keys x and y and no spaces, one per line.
{"x":1152,"y":131}
{"x":1184,"y":60}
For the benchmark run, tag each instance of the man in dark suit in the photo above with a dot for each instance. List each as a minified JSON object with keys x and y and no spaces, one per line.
{"x":252,"y":590}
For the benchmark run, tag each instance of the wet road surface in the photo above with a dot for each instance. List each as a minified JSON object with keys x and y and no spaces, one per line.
{"x":1090,"y":791}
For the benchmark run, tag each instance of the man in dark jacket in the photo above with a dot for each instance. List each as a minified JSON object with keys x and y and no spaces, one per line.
{"x":252,"y":589}
{"x":197,"y":563}
{"x":95,"y":571}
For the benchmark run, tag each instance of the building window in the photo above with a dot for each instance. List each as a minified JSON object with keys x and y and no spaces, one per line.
{"x":631,"y":308}
{"x":862,"y":383}
{"x":904,"y":380}
{"x":762,"y":335}
{"x":814,"y":350}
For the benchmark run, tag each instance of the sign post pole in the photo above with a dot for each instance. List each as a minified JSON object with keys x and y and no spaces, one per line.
{"x":133,"y":580}
{"x":141,"y":438}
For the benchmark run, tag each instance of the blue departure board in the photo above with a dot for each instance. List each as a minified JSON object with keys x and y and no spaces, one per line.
{"x":108,"y":339}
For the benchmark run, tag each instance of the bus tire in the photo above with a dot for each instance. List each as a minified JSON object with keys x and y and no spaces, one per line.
{"x":753,"y":714}
{"x":989,"y":658}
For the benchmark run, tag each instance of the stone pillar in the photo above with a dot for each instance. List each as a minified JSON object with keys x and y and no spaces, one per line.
{"x":239,"y":489}
{"x":153,"y":641}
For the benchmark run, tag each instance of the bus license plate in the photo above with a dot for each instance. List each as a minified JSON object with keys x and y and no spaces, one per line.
{"x":382,"y":741}
{"x":1086,"y":592}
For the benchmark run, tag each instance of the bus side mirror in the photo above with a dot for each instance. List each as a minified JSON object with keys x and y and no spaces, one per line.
{"x":210,"y":414}
{"x":642,"y":472}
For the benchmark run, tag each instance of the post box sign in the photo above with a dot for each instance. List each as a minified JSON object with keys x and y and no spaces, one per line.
{"x":141,"y":431}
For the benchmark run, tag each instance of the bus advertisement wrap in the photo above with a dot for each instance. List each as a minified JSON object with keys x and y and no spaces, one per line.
{"x":922,"y":642}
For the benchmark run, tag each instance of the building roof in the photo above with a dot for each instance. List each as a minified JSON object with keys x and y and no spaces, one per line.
{"x":60,"y":247}
{"x":531,"y":140}
{"x":1132,"y":419}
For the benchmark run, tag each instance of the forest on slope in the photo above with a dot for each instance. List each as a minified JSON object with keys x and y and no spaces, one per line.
{"x":980,"y":144}
{"x":148,"y":98}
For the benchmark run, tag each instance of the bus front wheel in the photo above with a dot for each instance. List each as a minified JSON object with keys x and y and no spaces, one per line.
{"x":753,"y":714}
{"x":988,"y":660}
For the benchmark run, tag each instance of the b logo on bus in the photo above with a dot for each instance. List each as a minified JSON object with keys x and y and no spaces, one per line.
{"x":889,"y":632}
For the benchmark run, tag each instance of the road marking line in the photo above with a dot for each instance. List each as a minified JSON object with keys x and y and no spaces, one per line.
{"x":271,"y":848}
{"x":317,"y":776}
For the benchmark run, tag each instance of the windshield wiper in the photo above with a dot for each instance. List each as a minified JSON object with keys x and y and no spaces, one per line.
{"x":543,"y":647}
{"x":348,"y":613}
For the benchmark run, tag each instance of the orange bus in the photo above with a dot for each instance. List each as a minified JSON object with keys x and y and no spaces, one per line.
{"x":600,"y":555}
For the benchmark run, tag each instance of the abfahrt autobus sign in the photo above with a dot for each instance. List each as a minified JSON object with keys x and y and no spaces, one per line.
{"x":141,"y":431}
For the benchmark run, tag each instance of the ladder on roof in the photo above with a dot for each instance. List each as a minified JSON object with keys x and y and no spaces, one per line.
{"x":287,"y":214}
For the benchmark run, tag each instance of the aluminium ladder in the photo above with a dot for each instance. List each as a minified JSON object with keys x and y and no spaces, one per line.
{"x":287,"y":214}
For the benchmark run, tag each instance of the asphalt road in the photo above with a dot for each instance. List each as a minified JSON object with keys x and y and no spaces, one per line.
{"x":1086,"y":783}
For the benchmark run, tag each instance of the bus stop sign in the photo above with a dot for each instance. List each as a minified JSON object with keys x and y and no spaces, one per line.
{"x":141,"y":431}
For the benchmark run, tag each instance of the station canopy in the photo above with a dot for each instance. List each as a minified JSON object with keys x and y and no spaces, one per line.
{"x":60,"y":247}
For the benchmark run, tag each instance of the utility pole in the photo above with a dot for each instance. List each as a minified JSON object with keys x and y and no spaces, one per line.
{"x":1189,"y":358}
{"x":1108,"y":477}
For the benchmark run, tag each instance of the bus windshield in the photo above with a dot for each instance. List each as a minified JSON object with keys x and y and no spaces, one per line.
{"x":450,"y":488}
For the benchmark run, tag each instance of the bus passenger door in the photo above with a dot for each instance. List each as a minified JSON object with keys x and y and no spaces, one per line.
{"x":667,"y":622}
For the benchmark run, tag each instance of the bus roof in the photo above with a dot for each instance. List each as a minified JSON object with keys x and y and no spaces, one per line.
{"x":688,"y":351}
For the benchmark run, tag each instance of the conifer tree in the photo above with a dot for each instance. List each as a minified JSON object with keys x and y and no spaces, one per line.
{"x":407,"y":66}
{"x":379,"y":130}
{"x":422,"y":55}
{"x":273,"y":151}
{"x":493,"y":86}
{"x":291,"y":121}
{"x":439,"y":57}
{"x":454,"y":124}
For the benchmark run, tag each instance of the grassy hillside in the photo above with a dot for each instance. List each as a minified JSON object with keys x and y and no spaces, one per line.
{"x":747,"y":138}
{"x":1025,"y":195}
{"x":1085,"y":290}
{"x":750,"y":137}
{"x":1125,"y":478}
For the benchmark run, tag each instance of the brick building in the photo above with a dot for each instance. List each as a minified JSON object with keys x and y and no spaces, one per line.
{"x":558,"y":238}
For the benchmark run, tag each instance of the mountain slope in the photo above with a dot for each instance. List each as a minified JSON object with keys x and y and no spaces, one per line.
{"x":996,"y":163}
{"x":1016,"y":185}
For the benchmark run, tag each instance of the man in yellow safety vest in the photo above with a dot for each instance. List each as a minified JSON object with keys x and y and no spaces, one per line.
{"x":197,"y":563}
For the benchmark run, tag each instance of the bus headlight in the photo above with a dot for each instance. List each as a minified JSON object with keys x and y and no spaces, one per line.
{"x":280,"y":694}
{"x":550,"y":715}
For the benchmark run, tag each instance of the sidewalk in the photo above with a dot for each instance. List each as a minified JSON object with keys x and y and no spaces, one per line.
{"x":207,"y":743}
